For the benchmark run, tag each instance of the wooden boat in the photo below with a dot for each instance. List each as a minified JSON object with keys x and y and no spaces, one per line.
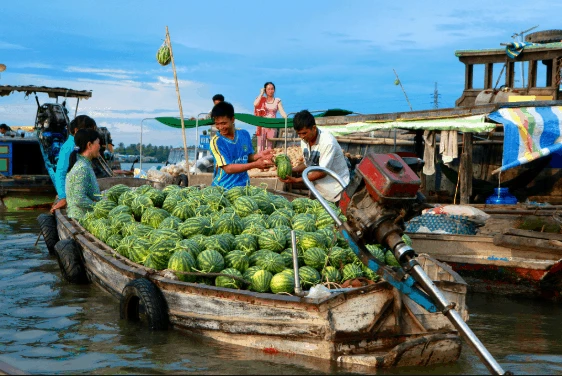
{"x":502,"y":259}
{"x":371,"y":326}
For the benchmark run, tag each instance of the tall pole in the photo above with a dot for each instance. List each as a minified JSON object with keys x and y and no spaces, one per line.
{"x":169,"y":43}
{"x":435,"y":97}
{"x":398,"y":82}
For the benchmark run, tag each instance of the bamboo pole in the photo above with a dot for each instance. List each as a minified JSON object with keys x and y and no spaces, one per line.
{"x":169,"y":43}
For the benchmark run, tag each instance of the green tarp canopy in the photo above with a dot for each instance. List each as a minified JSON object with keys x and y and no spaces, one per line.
{"x":249,"y":119}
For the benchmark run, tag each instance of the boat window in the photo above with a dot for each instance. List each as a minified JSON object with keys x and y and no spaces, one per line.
{"x":542,"y":72}
{"x":478,"y":76}
{"x":498,"y":75}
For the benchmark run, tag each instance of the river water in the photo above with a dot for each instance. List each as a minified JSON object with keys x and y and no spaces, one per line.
{"x":50,"y":326}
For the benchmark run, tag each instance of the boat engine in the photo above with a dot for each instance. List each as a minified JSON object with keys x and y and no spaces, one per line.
{"x":52,"y":123}
{"x":383,"y":193}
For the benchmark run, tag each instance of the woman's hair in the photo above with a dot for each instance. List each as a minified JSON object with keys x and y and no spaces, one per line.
{"x":82,"y":122}
{"x":269,"y":83}
{"x":81,"y":139}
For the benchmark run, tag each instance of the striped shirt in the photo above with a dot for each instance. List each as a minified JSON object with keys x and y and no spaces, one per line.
{"x":227,"y":152}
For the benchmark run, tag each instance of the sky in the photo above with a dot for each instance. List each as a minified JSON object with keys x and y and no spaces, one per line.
{"x":320,"y":55}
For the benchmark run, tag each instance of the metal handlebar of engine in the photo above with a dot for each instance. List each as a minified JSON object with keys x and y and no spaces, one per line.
{"x":404,"y":253}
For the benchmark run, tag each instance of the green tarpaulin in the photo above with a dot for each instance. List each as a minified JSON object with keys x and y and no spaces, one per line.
{"x":249,"y":119}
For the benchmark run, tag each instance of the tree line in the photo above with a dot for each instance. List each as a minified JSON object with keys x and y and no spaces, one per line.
{"x":159,"y":152}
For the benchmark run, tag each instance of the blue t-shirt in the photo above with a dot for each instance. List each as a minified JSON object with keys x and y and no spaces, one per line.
{"x":227,"y":152}
{"x":62,"y":166}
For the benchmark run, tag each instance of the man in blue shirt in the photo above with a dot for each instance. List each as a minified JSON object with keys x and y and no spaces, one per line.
{"x":79,"y":122}
{"x":233,"y":151}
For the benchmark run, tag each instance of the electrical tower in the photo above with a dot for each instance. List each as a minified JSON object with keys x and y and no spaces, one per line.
{"x":435,"y":97}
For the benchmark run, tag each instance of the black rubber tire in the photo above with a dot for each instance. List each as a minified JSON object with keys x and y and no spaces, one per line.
{"x":182,"y":180}
{"x":48,"y":227}
{"x":545,"y":36}
{"x":70,"y":262}
{"x":143,"y":292}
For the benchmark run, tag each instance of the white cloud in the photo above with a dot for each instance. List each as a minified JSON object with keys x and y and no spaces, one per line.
{"x":10,"y":46}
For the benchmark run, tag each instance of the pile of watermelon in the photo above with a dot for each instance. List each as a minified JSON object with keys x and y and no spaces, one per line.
{"x":244,"y":233}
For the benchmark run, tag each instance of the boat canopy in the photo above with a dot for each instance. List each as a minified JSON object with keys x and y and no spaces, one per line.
{"x":249,"y":119}
{"x":53,"y":92}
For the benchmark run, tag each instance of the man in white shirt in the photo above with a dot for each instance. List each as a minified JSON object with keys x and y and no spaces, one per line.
{"x":319,"y":148}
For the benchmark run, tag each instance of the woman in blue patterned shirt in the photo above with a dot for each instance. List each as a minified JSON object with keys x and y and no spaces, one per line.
{"x":82,"y":189}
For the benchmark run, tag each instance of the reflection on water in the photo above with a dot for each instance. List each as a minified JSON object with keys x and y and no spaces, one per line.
{"x":50,"y":326}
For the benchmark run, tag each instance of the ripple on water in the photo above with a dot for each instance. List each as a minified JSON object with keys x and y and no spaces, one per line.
{"x":34,"y":336}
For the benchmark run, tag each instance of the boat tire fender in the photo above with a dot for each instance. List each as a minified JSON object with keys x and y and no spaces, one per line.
{"x":142,"y":291}
{"x":71,"y":265}
{"x":182,"y":180}
{"x":48,"y":227}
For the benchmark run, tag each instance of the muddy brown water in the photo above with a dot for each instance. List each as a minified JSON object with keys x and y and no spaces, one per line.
{"x":48,"y":326}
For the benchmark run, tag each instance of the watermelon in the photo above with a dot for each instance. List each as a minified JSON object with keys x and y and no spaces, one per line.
{"x":309,"y":276}
{"x":250,"y":272}
{"x":238,"y":260}
{"x":103,"y":207}
{"x":183,"y":211}
{"x":228,"y":224}
{"x":368,"y":273}
{"x":224,"y":281}
{"x":254,"y":219}
{"x":329,"y":236}
{"x":171,"y":223}
{"x":276,"y":220}
{"x":171,"y":188}
{"x":281,"y":202}
{"x":119,"y":209}
{"x":315,"y":257}
{"x":377,"y":251}
{"x":142,"y":231}
{"x":390,"y":259}
{"x":203,"y":210}
{"x":121,"y":219}
{"x":304,"y":222}
{"x":283,"y":164}
{"x":140,"y":204}
{"x":210,"y":261}
{"x":156,"y":196}
{"x":128,"y":228}
{"x":161,"y":253}
{"x":260,"y":281}
{"x":127,"y":198}
{"x":159,"y":235}
{"x":407,"y":240}
{"x":301,"y":204}
{"x":194,"y":226}
{"x":182,"y":261}
{"x":219,"y":243}
{"x":114,"y":240}
{"x":282,"y":283}
{"x":246,"y":243}
{"x":323,"y":220}
{"x":264,"y":203}
{"x":233,"y":193}
{"x":331,"y":274}
{"x":272,"y":239}
{"x":171,"y":201}
{"x":351,"y":271}
{"x":150,"y":262}
{"x":337,"y":257}
{"x":144,"y":188}
{"x":154,"y":216}
{"x":309,"y":240}
{"x":255,"y":230}
{"x":257,"y":255}
{"x":271,"y":262}
{"x":244,"y":206}
{"x":164,"y":55}
{"x":116,"y":191}
{"x":215,"y":201}
{"x":139,"y":250}
{"x":287,"y":258}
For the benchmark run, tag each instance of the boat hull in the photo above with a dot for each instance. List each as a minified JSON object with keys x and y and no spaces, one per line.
{"x":372,"y":326}
{"x":490,"y":268}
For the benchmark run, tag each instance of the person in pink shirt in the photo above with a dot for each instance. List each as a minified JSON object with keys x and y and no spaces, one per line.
{"x":266,"y":105}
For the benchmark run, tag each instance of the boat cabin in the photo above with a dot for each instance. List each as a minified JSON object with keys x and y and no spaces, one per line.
{"x":492,"y":76}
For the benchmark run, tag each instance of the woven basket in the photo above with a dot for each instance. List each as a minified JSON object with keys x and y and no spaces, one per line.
{"x":450,"y":224}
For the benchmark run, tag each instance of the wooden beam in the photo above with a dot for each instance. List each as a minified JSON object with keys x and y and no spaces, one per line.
{"x":466,"y":167}
{"x":489,"y":76}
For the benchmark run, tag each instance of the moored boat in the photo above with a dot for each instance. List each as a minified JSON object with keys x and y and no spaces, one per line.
{"x":372,"y":326}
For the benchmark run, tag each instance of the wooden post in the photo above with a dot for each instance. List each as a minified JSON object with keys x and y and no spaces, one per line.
{"x":466,"y":167}
{"x":169,"y":43}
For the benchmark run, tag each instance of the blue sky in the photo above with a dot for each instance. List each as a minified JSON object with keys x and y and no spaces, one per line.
{"x":320,"y":54}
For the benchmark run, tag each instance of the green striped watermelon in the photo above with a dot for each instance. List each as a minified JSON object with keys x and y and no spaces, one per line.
{"x":233,"y":193}
{"x":282,"y":283}
{"x":309,"y":276}
{"x":351,"y":271}
{"x":103,"y":207}
{"x":156,"y":196}
{"x":210,"y":261}
{"x":238,"y":260}
{"x":228,"y":224}
{"x":304,"y":222}
{"x":260,"y":281}
{"x":246,"y":243}
{"x":116,"y":191}
{"x":272,"y":239}
{"x":159,"y":235}
{"x":315,"y":257}
{"x":275,"y":221}
{"x":183,"y":211}
{"x":171,"y":201}
{"x":127,"y":198}
{"x":190,"y":245}
{"x":224,"y":281}
{"x":377,"y":251}
{"x":140,"y":204}
{"x":250,"y":272}
{"x":331,"y":274}
{"x":194,"y":226}
{"x":171,"y":223}
{"x":182,"y":261}
{"x":271,"y":261}
{"x":154,"y":216}
{"x":390,"y":259}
